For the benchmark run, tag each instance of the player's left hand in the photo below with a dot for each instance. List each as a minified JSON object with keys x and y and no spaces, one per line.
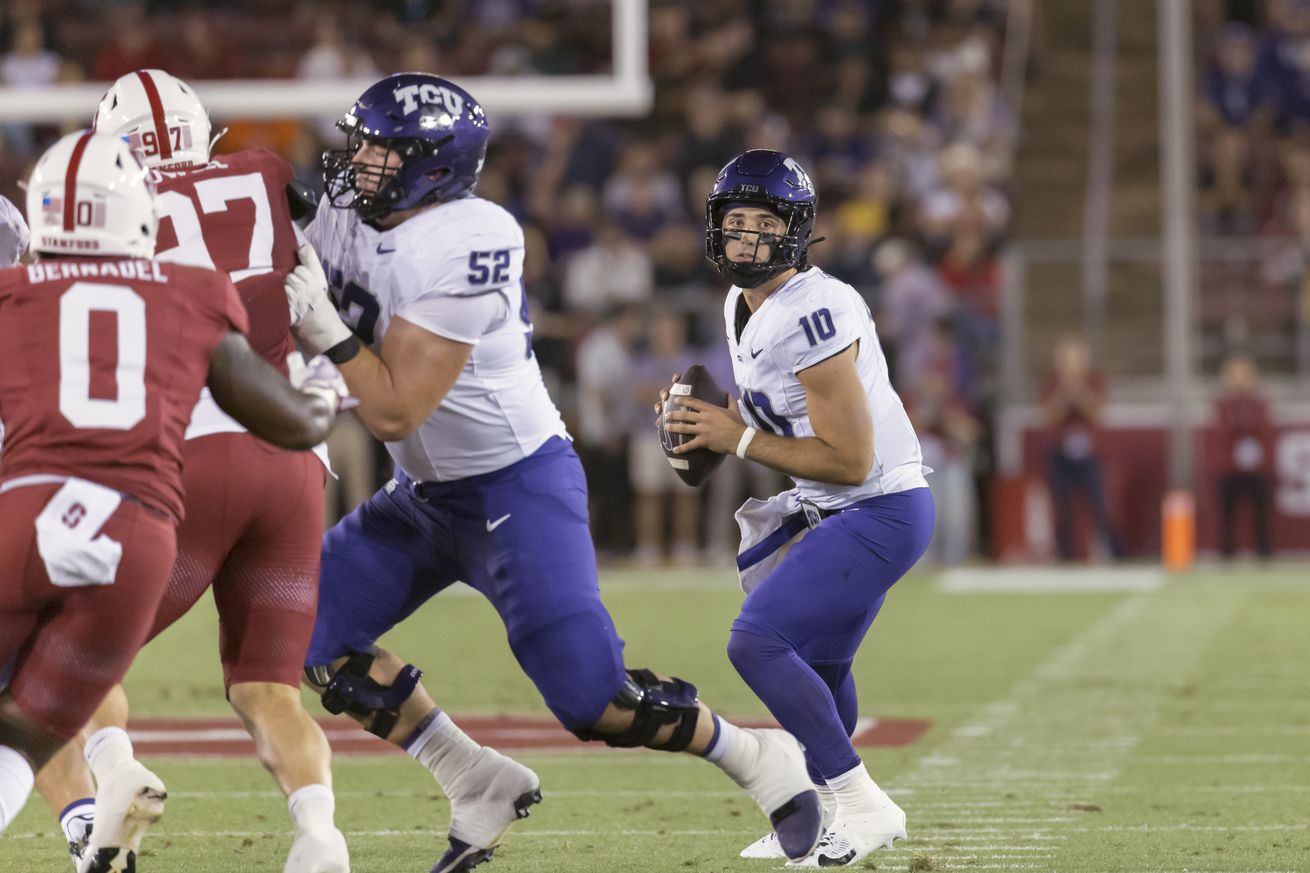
{"x":713,"y":427}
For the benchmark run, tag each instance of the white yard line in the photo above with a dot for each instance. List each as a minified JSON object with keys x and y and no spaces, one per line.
{"x":1048,"y":743}
{"x":1050,"y":580}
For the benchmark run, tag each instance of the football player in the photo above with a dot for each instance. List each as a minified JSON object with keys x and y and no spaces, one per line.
{"x":254,"y":512}
{"x":815,"y":404}
{"x":107,"y":352}
{"x":487,"y":487}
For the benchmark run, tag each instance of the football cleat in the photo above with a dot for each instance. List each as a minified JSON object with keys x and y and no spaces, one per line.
{"x":318,"y":852}
{"x":767,"y":847}
{"x":854,"y":837}
{"x":127,"y":803}
{"x":781,"y":786}
{"x":485,"y":801}
{"x":78,"y":827}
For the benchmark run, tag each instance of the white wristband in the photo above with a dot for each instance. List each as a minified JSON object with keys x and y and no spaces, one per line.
{"x":747,"y":435}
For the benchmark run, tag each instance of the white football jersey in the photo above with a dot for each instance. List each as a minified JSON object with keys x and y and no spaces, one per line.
{"x":455,"y":270}
{"x":812,"y":317}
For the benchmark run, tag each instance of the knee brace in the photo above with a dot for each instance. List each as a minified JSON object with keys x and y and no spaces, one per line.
{"x":654,"y":703}
{"x":352,"y":691}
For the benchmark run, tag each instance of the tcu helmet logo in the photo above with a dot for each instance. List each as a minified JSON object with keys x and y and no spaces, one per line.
{"x":800,"y":174}
{"x":412,"y":95}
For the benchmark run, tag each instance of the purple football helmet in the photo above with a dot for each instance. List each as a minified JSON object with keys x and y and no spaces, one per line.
{"x":435,"y":127}
{"x":775,"y":182}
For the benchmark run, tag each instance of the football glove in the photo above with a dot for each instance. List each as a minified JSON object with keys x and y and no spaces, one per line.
{"x":314,"y":318}
{"x":320,"y":376}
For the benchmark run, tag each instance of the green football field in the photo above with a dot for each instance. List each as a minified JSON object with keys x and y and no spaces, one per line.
{"x":1110,"y":720}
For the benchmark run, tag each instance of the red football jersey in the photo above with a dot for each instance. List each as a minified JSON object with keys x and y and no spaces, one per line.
{"x":231,"y":215}
{"x":100,"y":368}
{"x":1246,"y":432}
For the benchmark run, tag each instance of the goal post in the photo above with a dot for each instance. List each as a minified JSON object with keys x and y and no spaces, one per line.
{"x":628,"y":91}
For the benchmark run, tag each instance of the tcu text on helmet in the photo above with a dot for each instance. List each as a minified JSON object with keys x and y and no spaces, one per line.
{"x":428,"y":93}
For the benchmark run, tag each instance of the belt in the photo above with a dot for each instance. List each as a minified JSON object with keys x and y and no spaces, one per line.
{"x":814,"y":514}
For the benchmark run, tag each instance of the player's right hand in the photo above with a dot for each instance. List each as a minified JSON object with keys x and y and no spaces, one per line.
{"x":314,"y":318}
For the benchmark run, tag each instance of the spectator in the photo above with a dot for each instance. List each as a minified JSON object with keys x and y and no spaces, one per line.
{"x":913,"y":299}
{"x":205,"y":51}
{"x":642,"y":195}
{"x":612,"y":270}
{"x":1072,"y":401}
{"x":965,"y":204}
{"x":1231,"y":94}
{"x":132,"y":44}
{"x":604,"y":410}
{"x":948,"y":435}
{"x":1227,"y":200}
{"x":1245,"y":438}
{"x":333,"y":56}
{"x":28,"y":64}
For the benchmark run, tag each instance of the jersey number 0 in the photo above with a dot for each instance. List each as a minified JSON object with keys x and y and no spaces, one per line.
{"x":128,"y":310}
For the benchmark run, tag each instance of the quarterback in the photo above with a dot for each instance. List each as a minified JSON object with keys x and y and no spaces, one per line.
{"x":487,"y":487}
{"x":817,"y":560}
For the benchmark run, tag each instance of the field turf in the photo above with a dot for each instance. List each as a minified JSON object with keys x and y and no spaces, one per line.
{"x":1165,"y":729}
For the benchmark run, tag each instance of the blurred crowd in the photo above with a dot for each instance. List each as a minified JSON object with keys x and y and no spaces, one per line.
{"x":891,"y":105}
{"x":1253,"y":156}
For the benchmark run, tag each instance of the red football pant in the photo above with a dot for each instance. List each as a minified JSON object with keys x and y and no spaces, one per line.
{"x":75,"y":644}
{"x":253,"y":530}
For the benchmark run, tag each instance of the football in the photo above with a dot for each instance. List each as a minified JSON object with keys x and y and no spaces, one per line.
{"x":695,"y":466}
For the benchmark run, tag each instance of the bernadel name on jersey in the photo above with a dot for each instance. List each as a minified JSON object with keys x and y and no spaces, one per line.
{"x":52,"y":271}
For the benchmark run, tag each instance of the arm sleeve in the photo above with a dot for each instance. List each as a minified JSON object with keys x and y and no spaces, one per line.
{"x":462,"y":319}
{"x":830,"y":319}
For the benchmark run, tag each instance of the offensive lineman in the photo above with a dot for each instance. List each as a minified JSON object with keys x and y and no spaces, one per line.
{"x":254,"y":512}
{"x":487,"y":487}
{"x":109,"y":350}
{"x":817,"y":405}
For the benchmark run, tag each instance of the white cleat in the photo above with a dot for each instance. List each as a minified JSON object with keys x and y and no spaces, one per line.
{"x":318,"y":852}
{"x":127,"y":803}
{"x":767,"y":847}
{"x":854,"y":837}
{"x":781,"y":786}
{"x":485,"y":801}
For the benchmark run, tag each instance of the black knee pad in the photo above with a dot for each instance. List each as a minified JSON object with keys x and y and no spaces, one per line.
{"x":352,"y":691}
{"x":654,"y":703}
